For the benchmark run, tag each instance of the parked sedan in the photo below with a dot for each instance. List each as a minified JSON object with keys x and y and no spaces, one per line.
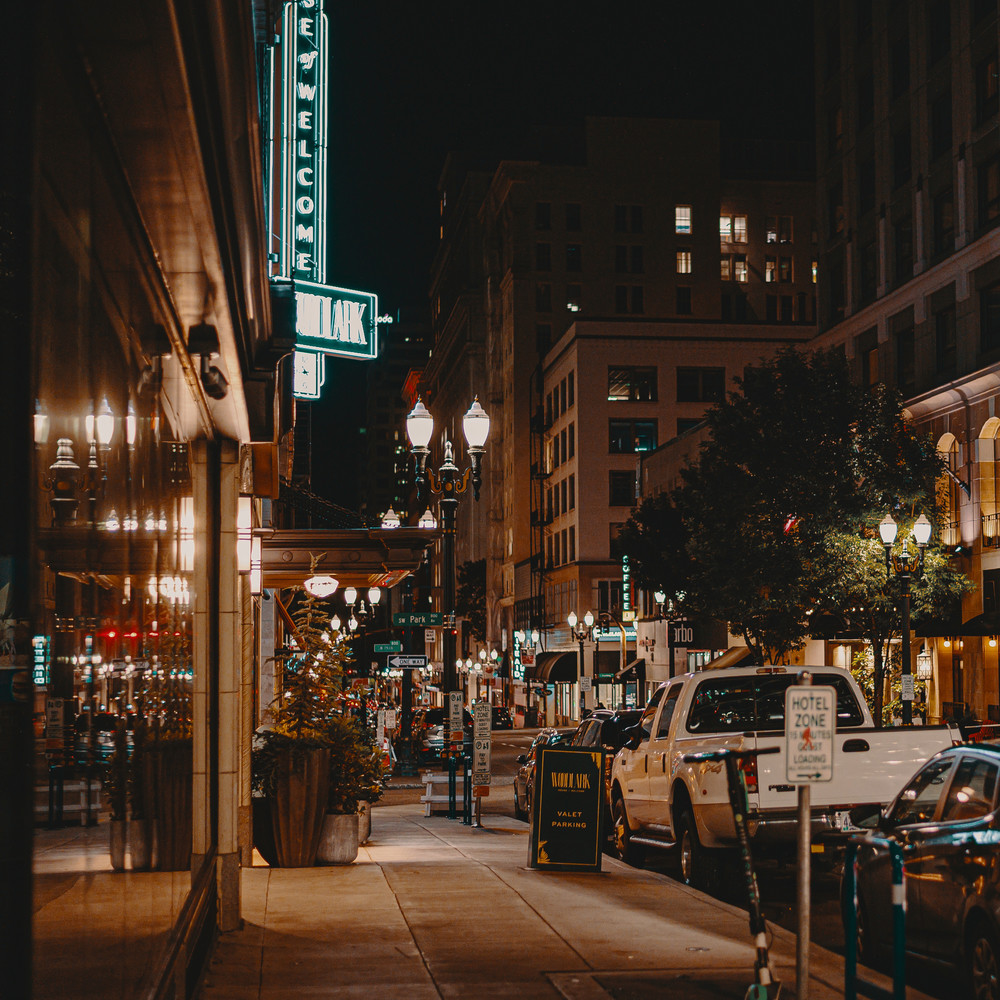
{"x":946,"y":821}
{"x":524,"y":777}
{"x":428,"y":731}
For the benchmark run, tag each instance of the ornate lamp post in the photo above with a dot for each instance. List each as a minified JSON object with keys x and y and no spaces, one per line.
{"x":448,"y":483}
{"x":904,"y":564}
{"x":580,"y":634}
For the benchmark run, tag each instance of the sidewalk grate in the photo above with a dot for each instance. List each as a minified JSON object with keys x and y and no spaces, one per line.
{"x":717,"y":984}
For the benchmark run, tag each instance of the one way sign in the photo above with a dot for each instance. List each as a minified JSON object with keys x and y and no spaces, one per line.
{"x":408,"y":662}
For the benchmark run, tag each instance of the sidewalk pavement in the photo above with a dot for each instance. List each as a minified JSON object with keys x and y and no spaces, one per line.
{"x":436,"y":909}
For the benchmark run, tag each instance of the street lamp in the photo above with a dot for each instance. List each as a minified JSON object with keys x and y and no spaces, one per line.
{"x":448,"y":482}
{"x":904,"y":564}
{"x":580,"y":634}
{"x":359,"y":618}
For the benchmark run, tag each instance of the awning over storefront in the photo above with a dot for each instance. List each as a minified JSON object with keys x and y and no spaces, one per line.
{"x":731,"y":658}
{"x":635,"y":670}
{"x":985,"y":624}
{"x":558,"y":667}
{"x":932,"y":628}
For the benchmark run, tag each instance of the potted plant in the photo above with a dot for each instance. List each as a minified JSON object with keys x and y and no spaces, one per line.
{"x":116,"y":792}
{"x":290,"y":762}
{"x":352,"y":781}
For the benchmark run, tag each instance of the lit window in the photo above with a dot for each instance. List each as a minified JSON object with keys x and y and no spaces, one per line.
{"x":815,"y":269}
{"x":740,"y":267}
{"x":726,"y":267}
{"x":682,"y":219}
{"x":772,"y":229}
{"x":726,"y":228}
{"x":683,"y":261}
{"x":769,"y":269}
{"x":573,"y":296}
{"x":739,"y":228}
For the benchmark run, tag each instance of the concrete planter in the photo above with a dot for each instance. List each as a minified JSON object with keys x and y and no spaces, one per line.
{"x":338,"y":843}
{"x":117,"y":831}
{"x":364,"y":821}
{"x":297,"y":809}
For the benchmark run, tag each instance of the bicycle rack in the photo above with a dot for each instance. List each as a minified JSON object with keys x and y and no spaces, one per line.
{"x":853,"y":984}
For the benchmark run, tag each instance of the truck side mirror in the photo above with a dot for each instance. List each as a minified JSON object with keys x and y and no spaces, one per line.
{"x":633,"y":737}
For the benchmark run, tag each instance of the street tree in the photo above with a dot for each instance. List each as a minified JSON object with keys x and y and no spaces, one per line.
{"x":778,"y":515}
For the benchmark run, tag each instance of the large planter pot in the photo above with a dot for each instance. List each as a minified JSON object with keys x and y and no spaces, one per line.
{"x":299,"y":805}
{"x":117,"y":845}
{"x":364,"y":821}
{"x":173,"y":761}
{"x":263,"y":831}
{"x":338,"y":843}
{"x":140,"y":843}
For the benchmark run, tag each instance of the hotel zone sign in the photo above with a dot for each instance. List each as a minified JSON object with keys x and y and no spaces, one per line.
{"x":810,"y":730}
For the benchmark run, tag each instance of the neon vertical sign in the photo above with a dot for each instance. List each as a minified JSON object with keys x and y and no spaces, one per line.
{"x":302,"y":244}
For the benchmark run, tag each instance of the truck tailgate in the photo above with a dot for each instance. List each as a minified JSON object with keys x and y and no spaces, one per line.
{"x":869,"y":766}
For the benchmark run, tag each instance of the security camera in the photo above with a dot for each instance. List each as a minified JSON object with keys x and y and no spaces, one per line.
{"x":212,"y":379}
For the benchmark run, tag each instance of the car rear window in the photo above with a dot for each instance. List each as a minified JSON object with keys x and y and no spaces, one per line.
{"x":757,"y":702}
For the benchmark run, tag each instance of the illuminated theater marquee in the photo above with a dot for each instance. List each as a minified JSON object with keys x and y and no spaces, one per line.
{"x":336,"y":321}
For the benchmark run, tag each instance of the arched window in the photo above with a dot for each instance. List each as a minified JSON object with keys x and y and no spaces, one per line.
{"x":949,"y":490}
{"x":987,"y":468}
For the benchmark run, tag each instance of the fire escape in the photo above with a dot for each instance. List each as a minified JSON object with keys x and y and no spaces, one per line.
{"x":541,"y":515}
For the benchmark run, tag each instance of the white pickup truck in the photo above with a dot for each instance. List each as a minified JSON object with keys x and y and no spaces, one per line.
{"x":659,"y":800}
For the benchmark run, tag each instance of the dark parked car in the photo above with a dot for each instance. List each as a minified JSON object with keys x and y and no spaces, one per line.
{"x":428,"y":731}
{"x":946,"y":821}
{"x":524,"y":777}
{"x":606,"y":728}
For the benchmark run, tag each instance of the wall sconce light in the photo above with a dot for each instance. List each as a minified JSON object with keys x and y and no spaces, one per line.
{"x":256,"y":573}
{"x":993,"y":642}
{"x":203,"y":340}
{"x":427,"y":520}
{"x":244,"y":531}
{"x":131,"y":425}
{"x":41,"y":424}
{"x":924,"y":664}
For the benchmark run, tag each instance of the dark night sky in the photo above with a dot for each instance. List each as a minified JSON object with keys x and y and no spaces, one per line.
{"x":412,"y":79}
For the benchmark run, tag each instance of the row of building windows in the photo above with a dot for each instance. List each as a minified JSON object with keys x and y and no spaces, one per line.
{"x":638,"y":384}
{"x":629,"y":219}
{"x":561,"y":447}
{"x":560,"y":399}
{"x":561,"y":498}
{"x":560,"y":547}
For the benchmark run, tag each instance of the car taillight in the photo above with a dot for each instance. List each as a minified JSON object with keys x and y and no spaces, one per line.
{"x":749,"y":766}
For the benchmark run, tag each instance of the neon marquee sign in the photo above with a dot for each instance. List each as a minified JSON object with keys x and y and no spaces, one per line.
{"x":329,"y":320}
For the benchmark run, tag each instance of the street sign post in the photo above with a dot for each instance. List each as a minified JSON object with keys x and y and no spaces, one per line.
{"x":482,"y":724}
{"x":810,"y":730}
{"x":454,"y":716}
{"x":411,"y":619}
{"x":407,"y":662}
{"x":389,"y":647}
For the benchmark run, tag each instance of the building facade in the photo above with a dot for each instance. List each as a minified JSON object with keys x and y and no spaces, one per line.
{"x":909,"y":254}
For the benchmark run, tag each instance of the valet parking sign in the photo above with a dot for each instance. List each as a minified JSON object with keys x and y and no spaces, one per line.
{"x":810,"y":728}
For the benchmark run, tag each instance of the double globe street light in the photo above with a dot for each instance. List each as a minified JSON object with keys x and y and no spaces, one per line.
{"x":448,"y":483}
{"x":904,"y":565}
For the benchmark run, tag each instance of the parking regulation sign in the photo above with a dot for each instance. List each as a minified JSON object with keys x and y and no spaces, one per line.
{"x":810,"y":727}
{"x":482,"y":723}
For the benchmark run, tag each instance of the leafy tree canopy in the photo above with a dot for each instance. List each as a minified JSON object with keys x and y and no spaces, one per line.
{"x":778,"y":517}
{"x":470,"y":597}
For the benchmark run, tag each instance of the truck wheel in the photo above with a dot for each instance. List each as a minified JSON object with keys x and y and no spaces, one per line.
{"x":630,"y":853}
{"x":697,"y":869}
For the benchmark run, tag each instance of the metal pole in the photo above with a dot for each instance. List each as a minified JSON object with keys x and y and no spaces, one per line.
{"x":448,"y":674}
{"x":907,"y":704}
{"x":803,"y":902}
{"x":579,"y":677}
{"x":850,"y":898}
